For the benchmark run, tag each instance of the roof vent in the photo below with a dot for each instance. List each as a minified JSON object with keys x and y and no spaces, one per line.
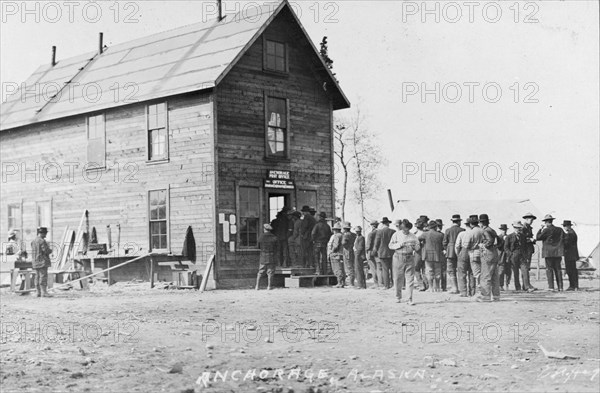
{"x":220,"y":7}
{"x":101,"y":43}
{"x":53,"y":61}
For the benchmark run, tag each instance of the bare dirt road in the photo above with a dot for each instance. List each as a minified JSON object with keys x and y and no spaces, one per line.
{"x":129,"y":338}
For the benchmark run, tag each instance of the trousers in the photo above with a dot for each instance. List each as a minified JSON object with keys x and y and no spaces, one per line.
{"x":403,"y":267}
{"x":553,"y":269}
{"x":571,"y":266}
{"x":41,"y":277}
{"x":385,"y":266}
{"x":490,"y":283}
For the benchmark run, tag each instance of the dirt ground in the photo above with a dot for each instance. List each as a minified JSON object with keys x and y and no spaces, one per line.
{"x":129,"y":338}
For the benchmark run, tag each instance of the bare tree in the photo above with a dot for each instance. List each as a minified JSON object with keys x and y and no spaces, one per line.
{"x":345,"y":157}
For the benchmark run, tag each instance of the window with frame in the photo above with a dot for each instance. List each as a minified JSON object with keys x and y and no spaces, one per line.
{"x":43,"y":217}
{"x":276,"y":127}
{"x":249,"y":214}
{"x":275,"y":56}
{"x":96,"y":138}
{"x":14,"y":217}
{"x":158,"y":141}
{"x":157,"y":205}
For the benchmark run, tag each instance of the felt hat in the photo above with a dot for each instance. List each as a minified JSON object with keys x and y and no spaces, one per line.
{"x":397,"y":223}
{"x":312,"y":210}
{"x":517,"y":224}
{"x":322,"y":215}
{"x":424,"y":218}
{"x":567,"y":223}
{"x":337,"y":226}
{"x":503,"y":227}
{"x":548,"y":217}
{"x":42,"y":230}
{"x":405,"y":223}
{"x":529,"y":215}
{"x":12,"y":232}
{"x":385,"y":220}
{"x":374,"y":223}
{"x":440,"y":222}
{"x":432,"y":224}
{"x":347,"y":225}
{"x":456,"y":217}
{"x":474,"y":219}
{"x":305,"y":208}
{"x":484,"y":217}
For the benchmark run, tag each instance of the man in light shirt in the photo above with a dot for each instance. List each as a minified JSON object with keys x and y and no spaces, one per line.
{"x":471,"y":241}
{"x":465,"y":275}
{"x":404,"y":244}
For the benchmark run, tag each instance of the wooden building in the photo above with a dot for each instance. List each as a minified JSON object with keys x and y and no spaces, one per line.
{"x":213,"y":126}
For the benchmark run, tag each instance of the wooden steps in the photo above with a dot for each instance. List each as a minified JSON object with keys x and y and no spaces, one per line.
{"x":310,"y":281}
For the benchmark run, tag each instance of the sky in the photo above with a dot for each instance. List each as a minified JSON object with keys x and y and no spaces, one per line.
{"x":470,"y":100}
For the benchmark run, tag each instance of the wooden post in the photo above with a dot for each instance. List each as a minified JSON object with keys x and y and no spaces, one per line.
{"x":118,"y":239}
{"x":151,"y":272}
{"x":108,"y":272}
{"x":109,"y":237}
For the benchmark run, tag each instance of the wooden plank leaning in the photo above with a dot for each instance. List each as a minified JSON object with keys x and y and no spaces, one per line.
{"x":206,"y":273}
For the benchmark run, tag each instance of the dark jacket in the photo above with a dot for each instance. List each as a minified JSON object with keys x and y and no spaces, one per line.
{"x":40,"y":252}
{"x":433,"y":244}
{"x":553,"y":246}
{"x":307,"y":224}
{"x":359,"y":247}
{"x":348,"y":239}
{"x":570,"y":243}
{"x":529,"y":238}
{"x":267,"y":242}
{"x":450,"y":240}
{"x":370,"y":244}
{"x":382,"y":239}
{"x":490,"y":238}
{"x":321,"y":232}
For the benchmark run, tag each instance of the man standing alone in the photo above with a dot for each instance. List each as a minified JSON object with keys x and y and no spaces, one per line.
{"x":41,"y":261}
{"x":267,"y":242}
{"x":552,"y":251}
{"x":451,"y":257}
{"x":571,"y":256}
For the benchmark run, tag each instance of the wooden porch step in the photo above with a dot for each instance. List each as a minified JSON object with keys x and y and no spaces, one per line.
{"x":310,"y":281}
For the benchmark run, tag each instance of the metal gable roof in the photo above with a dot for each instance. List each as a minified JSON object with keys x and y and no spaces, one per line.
{"x":177,"y":61}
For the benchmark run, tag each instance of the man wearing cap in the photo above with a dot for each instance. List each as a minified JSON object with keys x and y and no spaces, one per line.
{"x":360,"y":257}
{"x":267,"y":243}
{"x":336,"y":253}
{"x":320,"y":236}
{"x":552,"y":251}
{"x":405,"y":245}
{"x":515,"y":248}
{"x":529,"y":242}
{"x":420,"y":274}
{"x":571,"y":255}
{"x":306,"y":227}
{"x":348,"y":239}
{"x":466,"y":282}
{"x":433,"y":241}
{"x":490,"y":283}
{"x":504,"y":269}
{"x":295,"y":240}
{"x":451,"y":256}
{"x":41,"y":252}
{"x":372,"y":253}
{"x":384,"y":254}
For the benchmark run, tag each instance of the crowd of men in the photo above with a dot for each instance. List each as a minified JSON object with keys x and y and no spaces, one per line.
{"x":468,"y":260}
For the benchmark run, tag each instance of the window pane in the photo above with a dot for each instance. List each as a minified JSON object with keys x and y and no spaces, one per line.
{"x":277,"y":112}
{"x":270,"y":47}
{"x":279,"y":50}
{"x":249,"y":202}
{"x":162,"y":212}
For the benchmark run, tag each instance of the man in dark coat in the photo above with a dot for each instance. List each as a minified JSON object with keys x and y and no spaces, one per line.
{"x":348,"y":239}
{"x":360,"y":257}
{"x":571,"y":255}
{"x":552,"y":251}
{"x":490,"y":283}
{"x":320,"y":235}
{"x":451,"y":258}
{"x":384,"y":254}
{"x":268,"y":243}
{"x":372,"y":253}
{"x":280,"y":226}
{"x":529,"y":242}
{"x":41,"y":252}
{"x":433,"y":245}
{"x":444,"y":281}
{"x":306,"y":227}
{"x":504,"y":268}
{"x":515,"y":248}
{"x":420,"y":273}
{"x":295,"y":240}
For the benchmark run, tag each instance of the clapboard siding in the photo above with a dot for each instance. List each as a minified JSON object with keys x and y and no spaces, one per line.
{"x":120,"y":193}
{"x":241,"y":134}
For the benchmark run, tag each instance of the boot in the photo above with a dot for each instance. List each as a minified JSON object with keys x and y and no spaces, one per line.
{"x":38,"y":291}
{"x":45,"y":293}
{"x":454,"y":283}
{"x":257,"y":283}
{"x":269,"y":282}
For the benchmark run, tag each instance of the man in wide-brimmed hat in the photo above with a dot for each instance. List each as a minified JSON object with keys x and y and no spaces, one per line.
{"x":527,"y":230}
{"x":41,"y":252}
{"x":451,"y":257}
{"x":552,"y":251}
{"x":360,"y":257}
{"x":433,"y":246}
{"x":268,"y":244}
{"x":405,"y":245}
{"x":490,"y":282}
{"x":335,"y":253}
{"x":372,"y":253}
{"x":306,"y":226}
{"x":464,"y":275}
{"x":320,"y":236}
{"x":571,"y":255}
{"x":384,"y":254}
{"x":515,"y":247}
{"x":471,"y":241}
{"x":348,"y":239}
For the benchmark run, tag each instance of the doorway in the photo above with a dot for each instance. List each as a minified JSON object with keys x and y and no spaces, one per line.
{"x":277,"y":200}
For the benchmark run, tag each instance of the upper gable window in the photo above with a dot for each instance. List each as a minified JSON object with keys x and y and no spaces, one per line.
{"x":275,"y":56}
{"x":158,"y":136}
{"x":96,"y":141}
